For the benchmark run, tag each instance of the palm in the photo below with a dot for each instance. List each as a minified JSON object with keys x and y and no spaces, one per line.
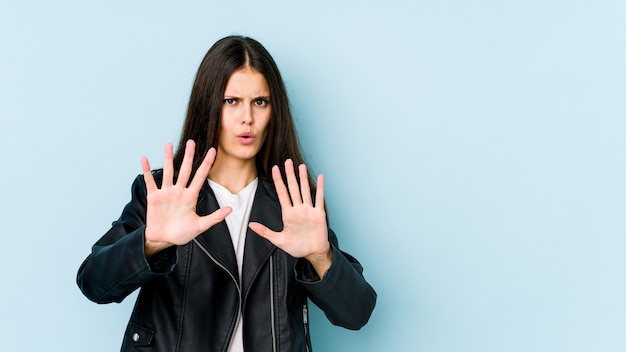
{"x":305,"y":232}
{"x":171,"y":217}
{"x":173,"y":211}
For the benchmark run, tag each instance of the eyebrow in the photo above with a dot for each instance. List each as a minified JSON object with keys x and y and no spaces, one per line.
{"x":266,"y":97}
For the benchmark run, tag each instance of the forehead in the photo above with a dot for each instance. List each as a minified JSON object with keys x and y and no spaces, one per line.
{"x":247,"y":82}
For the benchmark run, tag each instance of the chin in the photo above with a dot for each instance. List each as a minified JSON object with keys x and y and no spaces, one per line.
{"x":245,"y":155}
{"x":238,"y":152}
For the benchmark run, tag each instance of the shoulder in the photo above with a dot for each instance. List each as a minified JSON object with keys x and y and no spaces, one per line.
{"x":140,"y":182}
{"x":138,"y":187}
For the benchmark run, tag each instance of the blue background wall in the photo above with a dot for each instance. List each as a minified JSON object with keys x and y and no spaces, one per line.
{"x":474,"y":155}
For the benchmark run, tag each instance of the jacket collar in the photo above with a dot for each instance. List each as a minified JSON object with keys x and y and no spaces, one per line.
{"x":216,"y":239}
{"x":265,"y":210}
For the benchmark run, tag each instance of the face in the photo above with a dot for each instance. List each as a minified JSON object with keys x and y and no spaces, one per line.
{"x":246,"y":112}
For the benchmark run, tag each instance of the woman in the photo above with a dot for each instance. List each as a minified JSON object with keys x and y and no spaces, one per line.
{"x":224,"y":259}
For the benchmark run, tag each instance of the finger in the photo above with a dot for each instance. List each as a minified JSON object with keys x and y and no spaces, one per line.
{"x":281,"y":190}
{"x":147,"y":175}
{"x":168,"y":167}
{"x":319,"y":194}
{"x":215,"y":217}
{"x":292,"y":183}
{"x":185,"y":167}
{"x":266,"y":233}
{"x":203,"y":171}
{"x":304,"y":185}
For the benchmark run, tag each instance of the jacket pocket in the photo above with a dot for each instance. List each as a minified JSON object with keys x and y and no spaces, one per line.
{"x":137,"y":336}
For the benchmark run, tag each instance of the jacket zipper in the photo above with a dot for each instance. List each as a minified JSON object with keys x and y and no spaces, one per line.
{"x":273,"y":317}
{"x":230,"y":340}
{"x":305,"y":320}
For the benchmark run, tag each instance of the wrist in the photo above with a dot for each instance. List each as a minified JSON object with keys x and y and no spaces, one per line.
{"x":321,"y":262}
{"x":152,"y":247}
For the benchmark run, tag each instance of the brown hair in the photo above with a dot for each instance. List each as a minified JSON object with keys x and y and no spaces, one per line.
{"x":202,"y":123}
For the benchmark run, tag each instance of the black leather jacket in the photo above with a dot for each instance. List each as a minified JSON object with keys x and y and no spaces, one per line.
{"x":190,"y":296}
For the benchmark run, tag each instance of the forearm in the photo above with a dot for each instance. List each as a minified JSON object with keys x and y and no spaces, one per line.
{"x":113,"y":271}
{"x":342,"y":293}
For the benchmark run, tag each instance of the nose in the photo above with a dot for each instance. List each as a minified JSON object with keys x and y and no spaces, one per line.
{"x":247,"y":118}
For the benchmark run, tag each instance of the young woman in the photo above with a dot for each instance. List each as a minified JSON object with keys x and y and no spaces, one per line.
{"x":225,"y":246}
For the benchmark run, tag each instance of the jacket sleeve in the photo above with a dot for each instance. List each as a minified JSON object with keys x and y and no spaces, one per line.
{"x":117,"y":264}
{"x":343,"y":294}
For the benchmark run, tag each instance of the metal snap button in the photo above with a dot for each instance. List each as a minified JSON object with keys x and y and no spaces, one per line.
{"x":135,"y":337}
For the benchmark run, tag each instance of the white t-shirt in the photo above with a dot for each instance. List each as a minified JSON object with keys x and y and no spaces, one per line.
{"x":237,"y":222}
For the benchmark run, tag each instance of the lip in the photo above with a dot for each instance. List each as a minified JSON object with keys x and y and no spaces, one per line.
{"x":246,"y":138}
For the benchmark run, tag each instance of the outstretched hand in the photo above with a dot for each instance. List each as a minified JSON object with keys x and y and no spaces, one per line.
{"x":305,"y":232}
{"x":171,"y":217}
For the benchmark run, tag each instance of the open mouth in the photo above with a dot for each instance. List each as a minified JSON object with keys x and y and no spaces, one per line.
{"x":246,"y":138}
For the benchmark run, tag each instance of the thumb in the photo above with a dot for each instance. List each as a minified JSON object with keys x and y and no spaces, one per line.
{"x":264,"y":232}
{"x":215,"y":217}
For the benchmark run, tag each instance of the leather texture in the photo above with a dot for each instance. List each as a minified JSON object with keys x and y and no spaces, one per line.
{"x":190,"y":296}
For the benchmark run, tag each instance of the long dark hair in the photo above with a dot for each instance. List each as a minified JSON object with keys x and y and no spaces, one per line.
{"x":202,"y":123}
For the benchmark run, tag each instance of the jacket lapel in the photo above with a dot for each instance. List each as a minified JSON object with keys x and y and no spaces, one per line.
{"x":217,"y":238}
{"x":257,"y":250}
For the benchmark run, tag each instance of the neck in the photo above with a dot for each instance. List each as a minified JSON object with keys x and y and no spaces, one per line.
{"x":234,"y":175}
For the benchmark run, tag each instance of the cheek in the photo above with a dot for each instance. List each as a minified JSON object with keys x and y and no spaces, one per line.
{"x":264,"y":121}
{"x":266,"y":124}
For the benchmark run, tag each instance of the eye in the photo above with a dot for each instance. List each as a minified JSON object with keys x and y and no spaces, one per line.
{"x":229,"y":101}
{"x":261,"y":102}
